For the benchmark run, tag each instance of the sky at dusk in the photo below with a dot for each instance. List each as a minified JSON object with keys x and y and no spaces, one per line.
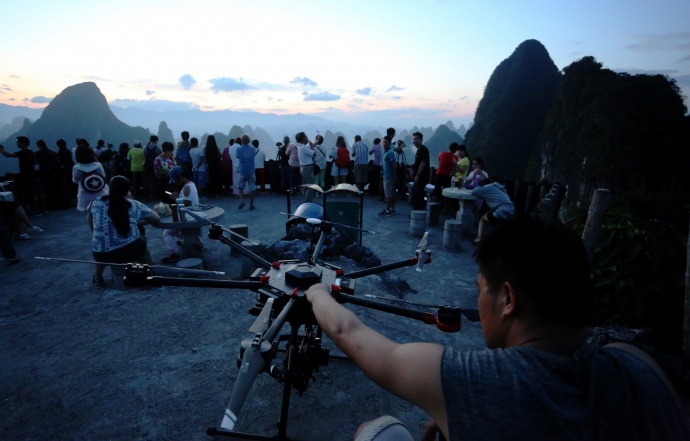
{"x":379,"y":62}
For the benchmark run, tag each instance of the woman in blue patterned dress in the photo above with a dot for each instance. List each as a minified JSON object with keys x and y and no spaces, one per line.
{"x":117,"y":224}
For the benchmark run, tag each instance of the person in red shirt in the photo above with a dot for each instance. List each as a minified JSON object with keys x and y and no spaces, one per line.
{"x":444,"y":172}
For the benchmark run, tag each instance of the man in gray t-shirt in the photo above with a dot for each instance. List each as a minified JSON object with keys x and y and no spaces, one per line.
{"x":537,"y":379}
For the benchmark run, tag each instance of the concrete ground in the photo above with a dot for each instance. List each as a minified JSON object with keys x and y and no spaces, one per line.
{"x":160,"y":363}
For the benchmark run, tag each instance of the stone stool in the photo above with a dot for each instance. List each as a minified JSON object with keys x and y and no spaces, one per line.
{"x":417,"y":223}
{"x":452,"y":235}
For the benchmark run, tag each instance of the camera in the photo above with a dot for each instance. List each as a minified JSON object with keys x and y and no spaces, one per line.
{"x":401,"y":143}
{"x":279,"y":144}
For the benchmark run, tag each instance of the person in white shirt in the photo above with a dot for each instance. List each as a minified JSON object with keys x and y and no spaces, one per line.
{"x":198,"y":158}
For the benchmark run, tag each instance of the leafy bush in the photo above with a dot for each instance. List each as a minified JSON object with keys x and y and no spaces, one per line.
{"x":638,"y":276}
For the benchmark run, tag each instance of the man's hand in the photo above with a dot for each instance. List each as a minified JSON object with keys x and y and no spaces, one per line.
{"x":317,"y":290}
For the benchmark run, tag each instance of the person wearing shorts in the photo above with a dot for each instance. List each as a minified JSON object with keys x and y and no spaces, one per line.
{"x":389,"y":168}
{"x":246,"y":171}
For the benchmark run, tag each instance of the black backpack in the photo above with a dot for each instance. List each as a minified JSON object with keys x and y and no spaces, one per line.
{"x":106,"y":155}
{"x":149,"y":155}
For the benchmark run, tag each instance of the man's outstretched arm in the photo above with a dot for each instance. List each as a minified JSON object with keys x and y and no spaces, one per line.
{"x":411,"y":371}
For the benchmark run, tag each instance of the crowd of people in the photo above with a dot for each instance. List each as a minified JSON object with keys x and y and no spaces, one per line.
{"x":66,"y":178}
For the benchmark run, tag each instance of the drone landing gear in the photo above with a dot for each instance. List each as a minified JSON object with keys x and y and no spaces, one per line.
{"x":304,"y":356}
{"x":281,"y":424}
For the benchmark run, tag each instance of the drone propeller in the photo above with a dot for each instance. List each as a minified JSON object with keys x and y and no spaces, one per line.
{"x":424,"y":241}
{"x":423,"y":254}
{"x":317,"y":221}
{"x":253,"y":360}
{"x":159,"y":269}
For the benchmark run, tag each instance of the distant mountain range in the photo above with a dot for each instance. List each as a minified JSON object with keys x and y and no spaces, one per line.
{"x":82,"y":111}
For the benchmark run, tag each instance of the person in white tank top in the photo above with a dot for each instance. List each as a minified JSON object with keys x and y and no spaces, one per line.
{"x":180,"y":177}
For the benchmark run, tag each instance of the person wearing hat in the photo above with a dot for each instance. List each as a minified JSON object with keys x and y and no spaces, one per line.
{"x":188,"y":191}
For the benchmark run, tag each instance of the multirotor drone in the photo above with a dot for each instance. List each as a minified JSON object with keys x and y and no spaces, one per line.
{"x":292,"y":357}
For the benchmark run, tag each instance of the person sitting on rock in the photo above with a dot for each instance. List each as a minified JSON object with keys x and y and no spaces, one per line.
{"x":496,"y":205}
{"x":115,"y":221}
{"x":188,"y":191}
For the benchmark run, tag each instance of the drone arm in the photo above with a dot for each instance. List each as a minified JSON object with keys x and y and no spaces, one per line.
{"x":447,"y":320}
{"x":319,"y":245}
{"x":216,"y":233}
{"x":182,"y":281}
{"x":278,"y":323}
{"x":382,"y":268}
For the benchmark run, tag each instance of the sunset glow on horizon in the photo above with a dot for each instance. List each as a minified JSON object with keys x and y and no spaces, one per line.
{"x":423,"y":62}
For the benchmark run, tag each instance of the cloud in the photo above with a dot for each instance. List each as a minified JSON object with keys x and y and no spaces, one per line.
{"x":365,"y":91}
{"x":395,"y":89}
{"x":399,"y":117}
{"x":15,"y":76}
{"x":685,"y":59}
{"x":11,"y":99}
{"x":322,"y":96}
{"x":187,"y":81}
{"x":304,"y":81}
{"x":150,"y":92}
{"x":224,"y":84}
{"x":655,"y":42}
{"x":464,"y":98}
{"x":396,"y":97}
{"x":94,"y":78}
{"x":40,"y":100}
{"x":7,"y":88}
{"x":152,"y":104}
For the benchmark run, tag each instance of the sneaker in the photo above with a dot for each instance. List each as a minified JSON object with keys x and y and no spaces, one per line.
{"x":385,"y":213}
{"x":36,"y":229}
{"x":251,"y":207}
{"x":173,"y":258}
{"x":241,"y":206}
{"x":22,"y":236}
{"x":14,"y":259}
{"x":392,"y":211}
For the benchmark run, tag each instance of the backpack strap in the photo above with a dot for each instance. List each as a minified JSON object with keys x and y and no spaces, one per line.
{"x":654,"y":366}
